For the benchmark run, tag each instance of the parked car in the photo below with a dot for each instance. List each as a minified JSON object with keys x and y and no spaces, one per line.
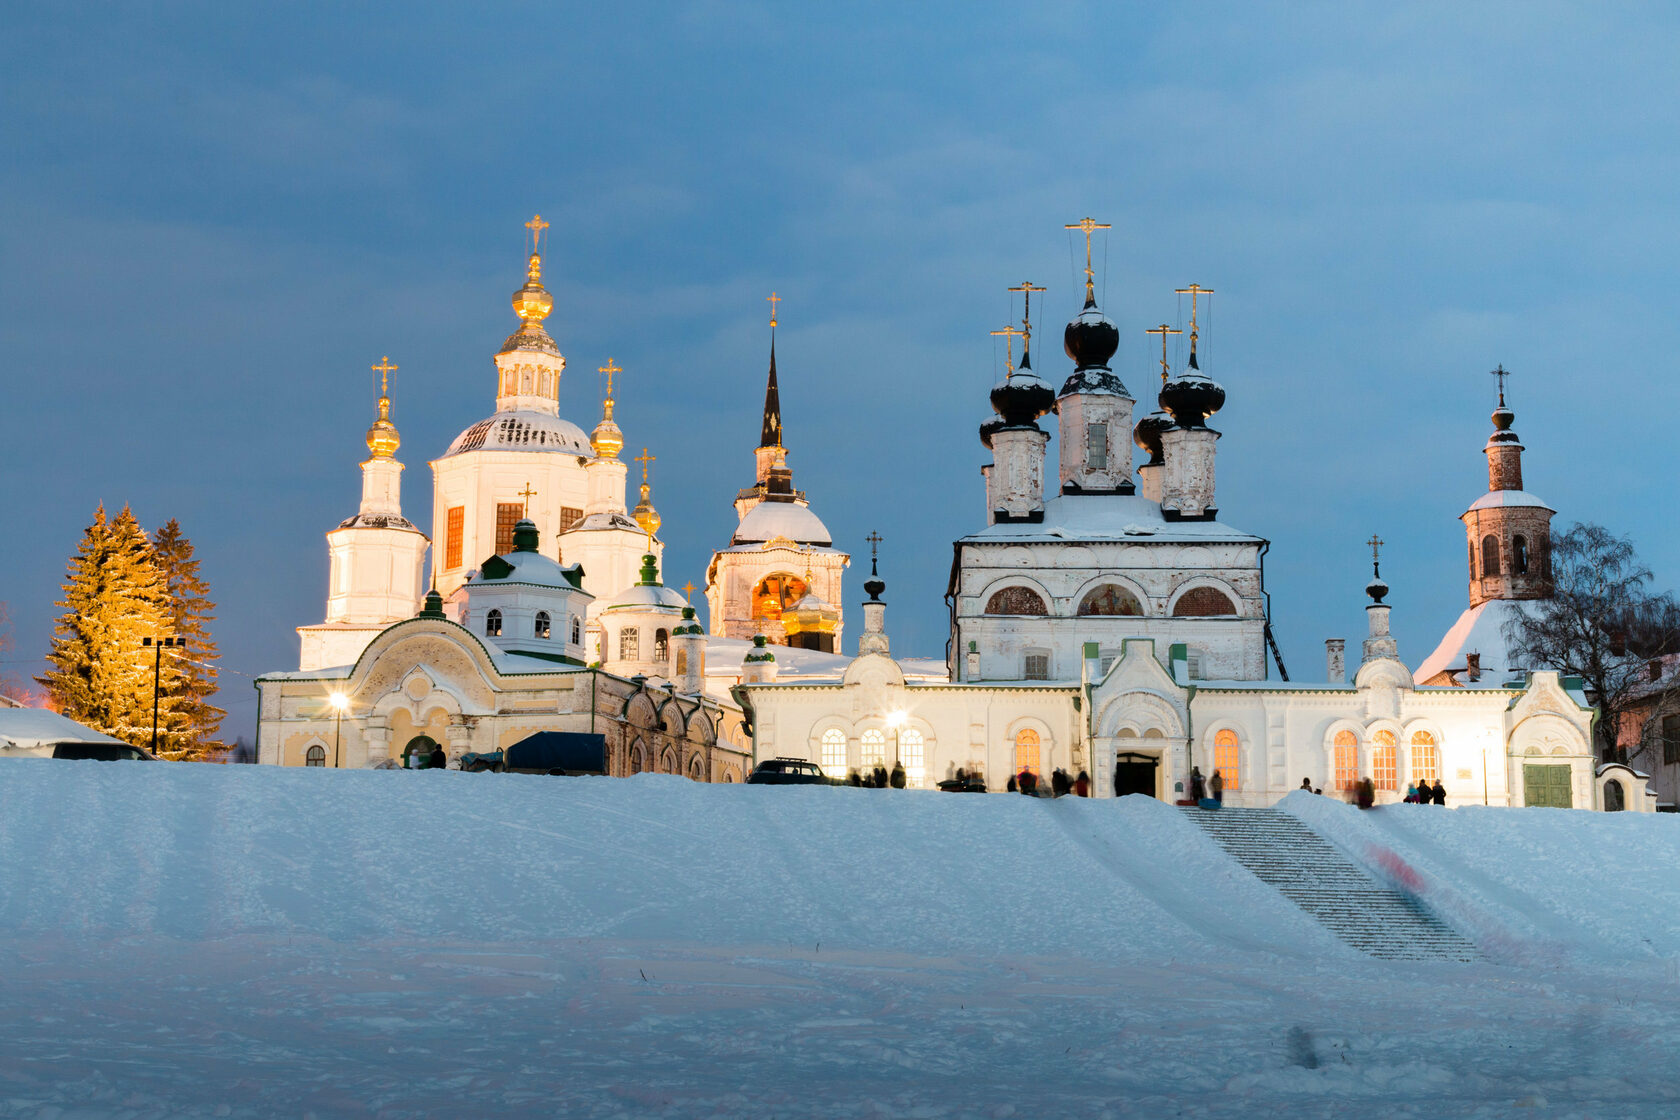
{"x":103,"y":752}
{"x":787,"y":772}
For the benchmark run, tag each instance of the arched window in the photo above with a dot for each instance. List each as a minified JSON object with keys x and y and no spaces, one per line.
{"x":1614,"y":800}
{"x":638,"y":760}
{"x":1109,"y":600}
{"x":661,"y":645}
{"x":1490,"y":555}
{"x":1026,"y":750}
{"x":833,"y":751}
{"x":493,"y":624}
{"x":912,"y":752}
{"x":629,"y":644}
{"x":1016,"y":600}
{"x":541,"y":627}
{"x":696,"y":769}
{"x":1426,"y":758}
{"x":1203,"y":602}
{"x":1519,"y":555}
{"x":874,"y":747}
{"x":1385,"y":764}
{"x":668,"y":763}
{"x":577,"y":631}
{"x":775,"y":594}
{"x":1225,"y":758}
{"x":682,"y":662}
{"x":315,"y":756}
{"x":1346,"y":760}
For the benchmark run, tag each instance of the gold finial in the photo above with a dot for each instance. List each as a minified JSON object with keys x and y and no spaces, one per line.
{"x":874,"y":538}
{"x":688,"y":590}
{"x":1193,"y":291}
{"x":646,"y":516}
{"x":527,"y":494}
{"x":607,"y":440}
{"x":536,"y":225}
{"x":644,"y":459}
{"x":1089,"y":226}
{"x":1026,"y":289}
{"x":382,"y":438}
{"x":774,"y":300}
{"x":1010,"y":333}
{"x":1163,"y":330}
{"x":1376,"y":544}
{"x":1501,"y":373}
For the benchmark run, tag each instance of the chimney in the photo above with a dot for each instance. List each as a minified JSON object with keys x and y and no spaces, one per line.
{"x":1335,"y":660}
{"x":1473,"y":666}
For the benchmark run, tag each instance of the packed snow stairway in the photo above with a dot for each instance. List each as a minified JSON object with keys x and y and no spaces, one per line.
{"x":1284,"y":853}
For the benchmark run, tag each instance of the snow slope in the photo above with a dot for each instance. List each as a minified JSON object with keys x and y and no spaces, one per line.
{"x":180,"y":940}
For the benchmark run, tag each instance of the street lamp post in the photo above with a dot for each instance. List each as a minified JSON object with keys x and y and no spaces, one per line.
{"x":157,"y":645}
{"x":339,"y":703}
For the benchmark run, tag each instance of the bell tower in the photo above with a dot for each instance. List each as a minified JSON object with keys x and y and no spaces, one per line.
{"x":1509,"y":530}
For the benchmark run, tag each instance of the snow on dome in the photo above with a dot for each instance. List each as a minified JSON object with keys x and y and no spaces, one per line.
{"x":645,"y":596}
{"x":1494,"y":499}
{"x":522,"y":430}
{"x":769,"y":520}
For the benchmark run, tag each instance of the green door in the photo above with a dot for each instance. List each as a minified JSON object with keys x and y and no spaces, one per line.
{"x":1547,"y":786}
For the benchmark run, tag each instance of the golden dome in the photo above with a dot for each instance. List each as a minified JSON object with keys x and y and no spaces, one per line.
{"x":646,"y":516}
{"x":532,"y":303}
{"x":382,"y":438}
{"x":607,"y":440}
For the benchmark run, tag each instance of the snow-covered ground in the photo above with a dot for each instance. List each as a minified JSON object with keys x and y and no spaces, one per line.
{"x":180,"y":940}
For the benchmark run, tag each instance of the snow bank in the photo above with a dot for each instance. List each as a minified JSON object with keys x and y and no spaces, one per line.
{"x":209,"y":851}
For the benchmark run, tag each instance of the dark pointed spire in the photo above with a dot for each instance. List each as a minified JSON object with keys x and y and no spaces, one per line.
{"x":771,"y":436}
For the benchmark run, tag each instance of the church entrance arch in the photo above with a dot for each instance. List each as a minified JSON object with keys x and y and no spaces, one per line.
{"x":418,"y":754}
{"x":1134,"y":772}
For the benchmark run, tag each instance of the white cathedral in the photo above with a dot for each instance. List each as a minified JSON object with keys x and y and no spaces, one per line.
{"x":1103,"y":619}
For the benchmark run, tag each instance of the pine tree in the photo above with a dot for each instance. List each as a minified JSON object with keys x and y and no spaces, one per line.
{"x":115,"y":596}
{"x":192,"y":722}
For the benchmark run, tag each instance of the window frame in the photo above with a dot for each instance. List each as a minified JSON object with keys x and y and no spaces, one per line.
{"x":493,"y":623}
{"x":541,"y":626}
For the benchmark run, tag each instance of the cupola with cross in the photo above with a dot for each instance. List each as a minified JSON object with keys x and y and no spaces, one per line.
{"x":527,"y":603}
{"x":1094,"y":410}
{"x":1509,"y":530}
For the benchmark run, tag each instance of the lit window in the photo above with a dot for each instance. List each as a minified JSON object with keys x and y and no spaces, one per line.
{"x":1016,"y":600}
{"x":1026,"y":750}
{"x":1096,"y":447}
{"x":1038,"y":667}
{"x":1426,"y":758}
{"x":776,"y":593}
{"x":629,"y":644}
{"x":493,"y":624}
{"x":569,"y":516}
{"x":316,"y":756}
{"x":911,"y":751}
{"x":682,"y":662}
{"x":453,"y":532}
{"x":661,"y":645}
{"x":1346,"y":760}
{"x":833,"y":750}
{"x":1225,"y":758}
{"x":874,"y":747}
{"x":507,"y":516}
{"x":1384,"y":761}
{"x":541,"y":628}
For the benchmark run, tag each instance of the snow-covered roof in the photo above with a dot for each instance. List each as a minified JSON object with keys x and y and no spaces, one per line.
{"x":530,"y":568}
{"x":610,"y":520}
{"x":1104,"y":517}
{"x":642,"y":596}
{"x":1479,"y":630}
{"x":522,"y":430}
{"x":30,"y":728}
{"x":1495,"y":499}
{"x":793,"y":520}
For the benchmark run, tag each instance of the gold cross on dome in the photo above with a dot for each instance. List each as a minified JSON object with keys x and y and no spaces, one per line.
{"x":644,"y":459}
{"x":384,"y":369}
{"x":1026,"y":288}
{"x":774,"y":300}
{"x":688,"y":590}
{"x":1163,"y":330}
{"x":1089,"y":226}
{"x":1011,"y":334}
{"x":1193,"y":291}
{"x":536,"y":225}
{"x":527,"y":494}
{"x":1501,"y":373}
{"x":874,"y":538}
{"x":609,"y":369}
{"x":1376,"y":544}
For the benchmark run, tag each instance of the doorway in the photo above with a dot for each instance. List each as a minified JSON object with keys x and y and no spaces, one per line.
{"x":1135,"y":773}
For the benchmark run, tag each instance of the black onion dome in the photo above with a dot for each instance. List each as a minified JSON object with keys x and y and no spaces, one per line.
{"x":1022,"y":397}
{"x":1090,"y":339}
{"x":1376,"y":589}
{"x":874,"y":585}
{"x":1094,"y":380}
{"x":1146,"y":433}
{"x":1503,"y":418}
{"x":1192,"y":396}
{"x":986,"y":429}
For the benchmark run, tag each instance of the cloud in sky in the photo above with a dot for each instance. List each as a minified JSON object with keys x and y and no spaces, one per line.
{"x":218,"y":217}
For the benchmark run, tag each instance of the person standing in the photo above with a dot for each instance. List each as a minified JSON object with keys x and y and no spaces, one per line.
{"x":1198,"y":788}
{"x":1082,"y":785}
{"x":1439,"y":794}
{"x":1216,"y":786}
{"x":439,"y":760}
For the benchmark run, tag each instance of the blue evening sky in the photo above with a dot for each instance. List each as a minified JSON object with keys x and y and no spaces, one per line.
{"x":217,"y":216}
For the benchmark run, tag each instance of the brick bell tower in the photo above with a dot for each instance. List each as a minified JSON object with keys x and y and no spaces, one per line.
{"x":1509,"y":530}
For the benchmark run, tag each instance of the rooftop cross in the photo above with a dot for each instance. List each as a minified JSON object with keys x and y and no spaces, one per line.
{"x":527,"y":494}
{"x":1376,"y":544}
{"x":688,"y":590}
{"x":1026,"y":289}
{"x":644,"y":459}
{"x":874,"y":538}
{"x":1089,"y":226}
{"x":774,"y":300}
{"x":1010,"y":333}
{"x":384,"y":369}
{"x":609,"y":369}
{"x":1163,"y":330}
{"x":536,"y":225}
{"x":1501,"y":373}
{"x":1193,"y":291}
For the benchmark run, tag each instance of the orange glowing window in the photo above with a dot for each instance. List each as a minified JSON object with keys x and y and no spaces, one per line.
{"x":1346,"y":760}
{"x":1384,"y":761}
{"x":456,"y":522}
{"x":507,"y":516}
{"x":1426,"y":758}
{"x":1026,"y":750}
{"x":1225,"y":758}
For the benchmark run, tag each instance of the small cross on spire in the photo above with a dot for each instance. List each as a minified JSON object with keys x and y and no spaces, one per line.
{"x":609,"y":369}
{"x":527,"y":494}
{"x":1011,"y":334}
{"x":1376,"y":544}
{"x":874,"y":538}
{"x":1163,"y":330}
{"x":774,"y":300}
{"x":536,"y":225}
{"x":1089,"y":226}
{"x":1193,"y":291}
{"x":688,"y":590}
{"x":644,"y":459}
{"x":1026,"y":288}
{"x":1500,"y":373}
{"x":384,"y":369}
